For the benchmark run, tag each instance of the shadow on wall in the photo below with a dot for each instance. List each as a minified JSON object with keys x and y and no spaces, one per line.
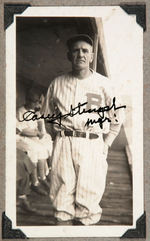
{"x":121,"y":141}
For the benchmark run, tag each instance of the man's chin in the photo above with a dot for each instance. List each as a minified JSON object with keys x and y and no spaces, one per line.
{"x":80,"y":66}
{"x":37,"y":108}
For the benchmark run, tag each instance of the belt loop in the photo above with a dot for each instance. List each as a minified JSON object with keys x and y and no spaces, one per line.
{"x":75,"y":133}
{"x":62,"y":134}
{"x":87,"y":135}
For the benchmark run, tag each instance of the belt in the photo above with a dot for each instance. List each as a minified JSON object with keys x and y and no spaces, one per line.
{"x":78,"y":134}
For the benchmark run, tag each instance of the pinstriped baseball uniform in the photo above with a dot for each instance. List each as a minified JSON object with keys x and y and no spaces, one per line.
{"x":79,"y":166}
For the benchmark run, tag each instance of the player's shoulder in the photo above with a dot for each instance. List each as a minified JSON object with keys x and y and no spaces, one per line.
{"x":61,"y":78}
{"x":101,"y":80}
{"x":101,"y":77}
{"x":21,"y":109}
{"x":104,"y":83}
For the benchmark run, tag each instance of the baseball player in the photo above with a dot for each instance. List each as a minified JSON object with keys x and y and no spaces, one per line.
{"x":79,"y":165}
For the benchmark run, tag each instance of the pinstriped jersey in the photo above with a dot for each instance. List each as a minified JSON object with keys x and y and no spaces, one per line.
{"x":68,"y":91}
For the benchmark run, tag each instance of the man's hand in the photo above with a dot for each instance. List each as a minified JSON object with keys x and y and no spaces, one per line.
{"x":105,"y":149}
{"x":40,"y":134}
{"x":18,"y":131}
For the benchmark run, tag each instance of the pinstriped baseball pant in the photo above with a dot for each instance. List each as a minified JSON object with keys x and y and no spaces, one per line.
{"x":78,"y":178}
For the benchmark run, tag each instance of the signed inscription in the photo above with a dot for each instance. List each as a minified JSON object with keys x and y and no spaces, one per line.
{"x":79,"y":109}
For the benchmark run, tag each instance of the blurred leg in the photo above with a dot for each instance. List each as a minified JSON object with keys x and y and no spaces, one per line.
{"x":63,"y":180}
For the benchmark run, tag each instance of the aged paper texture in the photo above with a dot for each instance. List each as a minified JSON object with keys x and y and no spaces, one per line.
{"x":35,"y":53}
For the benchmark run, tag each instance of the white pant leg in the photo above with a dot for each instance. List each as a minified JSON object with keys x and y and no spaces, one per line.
{"x":63,"y":179}
{"x":47,"y":144}
{"x":92,"y":170}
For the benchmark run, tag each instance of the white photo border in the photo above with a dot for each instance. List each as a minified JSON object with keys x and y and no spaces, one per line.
{"x":138,"y":200}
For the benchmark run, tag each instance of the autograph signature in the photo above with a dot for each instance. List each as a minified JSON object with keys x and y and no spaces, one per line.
{"x":57,"y":119}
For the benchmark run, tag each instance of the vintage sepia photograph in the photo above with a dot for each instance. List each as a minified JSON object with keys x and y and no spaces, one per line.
{"x":73,"y":110}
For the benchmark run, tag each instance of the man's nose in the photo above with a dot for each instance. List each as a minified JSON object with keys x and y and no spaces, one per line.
{"x":37,"y":108}
{"x":80,"y":53}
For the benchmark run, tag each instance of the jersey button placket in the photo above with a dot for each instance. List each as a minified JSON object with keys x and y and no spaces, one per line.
{"x":75,"y":118}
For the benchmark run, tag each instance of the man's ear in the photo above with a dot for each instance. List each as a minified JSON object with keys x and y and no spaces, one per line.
{"x":69,"y":56}
{"x":92,"y":57}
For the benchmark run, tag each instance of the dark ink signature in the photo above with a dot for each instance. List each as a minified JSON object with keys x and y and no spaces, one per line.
{"x":57,"y":119}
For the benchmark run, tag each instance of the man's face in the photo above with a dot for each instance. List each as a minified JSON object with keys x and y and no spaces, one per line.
{"x":81,"y":55}
{"x":35,"y":102}
{"x":36,"y":105}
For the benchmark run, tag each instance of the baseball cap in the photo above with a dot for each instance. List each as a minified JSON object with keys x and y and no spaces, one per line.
{"x":79,"y":37}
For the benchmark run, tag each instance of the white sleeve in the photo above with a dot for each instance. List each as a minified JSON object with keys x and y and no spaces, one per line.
{"x":116,"y":116}
{"x":48,"y":102}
